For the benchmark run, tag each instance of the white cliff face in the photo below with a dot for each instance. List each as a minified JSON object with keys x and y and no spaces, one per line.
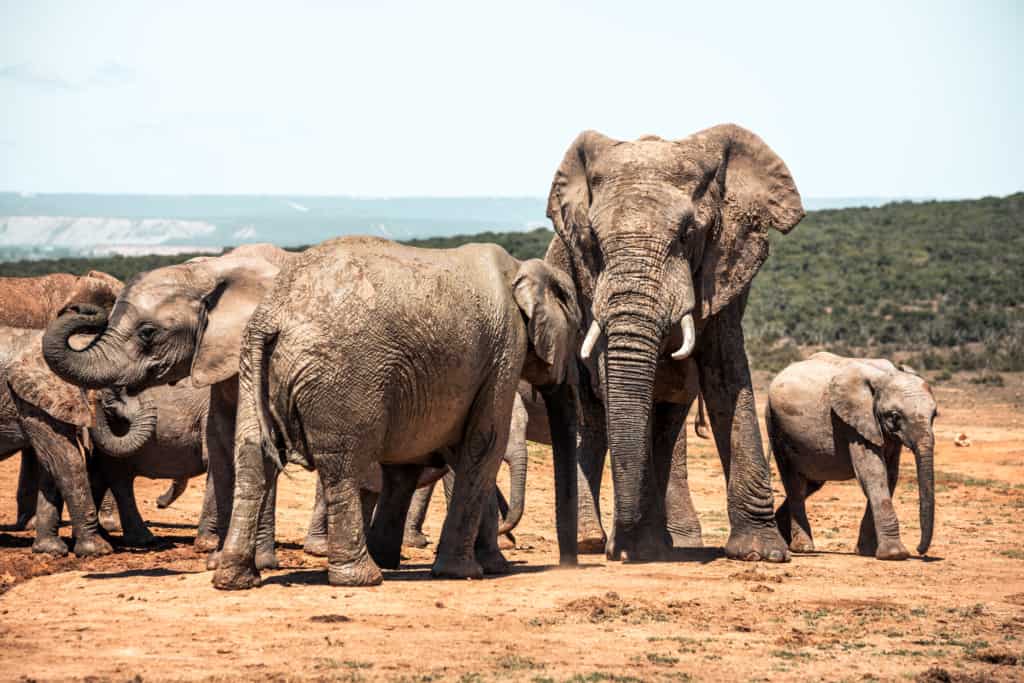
{"x":88,"y":232}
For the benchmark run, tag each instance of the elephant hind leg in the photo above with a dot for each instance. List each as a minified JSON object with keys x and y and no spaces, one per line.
{"x":349,"y":561}
{"x":414,"y":536}
{"x":791,"y":517}
{"x":388,"y":526}
{"x":28,"y":489}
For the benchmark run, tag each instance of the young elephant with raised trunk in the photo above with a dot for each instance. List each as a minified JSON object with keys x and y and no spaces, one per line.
{"x":832,"y":419}
{"x":369,"y":351}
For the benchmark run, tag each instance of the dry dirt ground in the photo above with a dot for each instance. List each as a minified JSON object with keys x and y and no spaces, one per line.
{"x":957,"y":615}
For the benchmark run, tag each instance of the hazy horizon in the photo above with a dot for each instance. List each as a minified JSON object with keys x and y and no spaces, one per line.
{"x":454,"y":99}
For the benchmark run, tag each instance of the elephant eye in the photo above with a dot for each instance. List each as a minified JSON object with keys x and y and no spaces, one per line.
{"x":894,"y":419}
{"x":146,"y":334}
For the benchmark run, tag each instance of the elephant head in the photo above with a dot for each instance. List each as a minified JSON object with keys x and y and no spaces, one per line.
{"x":661,"y":236}
{"x":547,"y":298}
{"x":895,"y":407}
{"x":124,"y":423}
{"x":166,"y":324}
{"x":95,"y":288}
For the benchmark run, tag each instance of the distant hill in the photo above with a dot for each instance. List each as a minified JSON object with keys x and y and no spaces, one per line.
{"x":59,"y":225}
{"x":941,"y":281}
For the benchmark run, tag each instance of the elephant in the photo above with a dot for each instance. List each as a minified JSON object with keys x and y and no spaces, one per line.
{"x":511,"y":511}
{"x":831,"y":418}
{"x":45,"y":418}
{"x":369,"y":351}
{"x":662,"y":239}
{"x":31,"y":303}
{"x":158,"y":434}
{"x":171,"y":323}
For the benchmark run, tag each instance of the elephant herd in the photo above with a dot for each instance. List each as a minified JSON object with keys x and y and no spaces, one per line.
{"x":383,"y":367}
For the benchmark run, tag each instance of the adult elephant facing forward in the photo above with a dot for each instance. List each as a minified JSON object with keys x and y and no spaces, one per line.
{"x":663,"y":239}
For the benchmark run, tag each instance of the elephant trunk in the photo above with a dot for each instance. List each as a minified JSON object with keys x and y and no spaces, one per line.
{"x":924,"y":455}
{"x":633,"y":346}
{"x":141,"y":427}
{"x":95,"y":367}
{"x":516,"y":458}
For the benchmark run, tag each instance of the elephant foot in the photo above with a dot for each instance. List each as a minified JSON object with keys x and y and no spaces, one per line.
{"x":361,"y":572}
{"x":591,"y":542}
{"x":801,"y":545}
{"x":25,"y":522}
{"x":266,"y":559}
{"x":456,"y":568}
{"x":891,"y":550}
{"x":415,"y":538}
{"x":493,"y":562}
{"x":687,"y":539}
{"x":138,"y":539}
{"x":506,"y":542}
{"x":757,"y":545}
{"x":213,"y":560}
{"x":110,"y":522}
{"x":235,"y":574}
{"x":50,"y":545}
{"x":637,"y":547}
{"x":315,"y":546}
{"x":205,"y":542}
{"x":92,"y":546}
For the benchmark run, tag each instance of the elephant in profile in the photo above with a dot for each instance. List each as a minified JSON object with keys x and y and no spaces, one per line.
{"x":871,"y":410}
{"x":32,"y":303}
{"x":662,"y":239}
{"x":367,"y":351}
{"x":172,"y":323}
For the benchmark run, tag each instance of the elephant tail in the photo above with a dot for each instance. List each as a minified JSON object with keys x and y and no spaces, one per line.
{"x":260,"y":336}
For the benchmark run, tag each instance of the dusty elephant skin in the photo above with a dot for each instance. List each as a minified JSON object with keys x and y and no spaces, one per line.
{"x":832,"y":419}
{"x":171,"y":323}
{"x":368,"y":351}
{"x":663,"y":239}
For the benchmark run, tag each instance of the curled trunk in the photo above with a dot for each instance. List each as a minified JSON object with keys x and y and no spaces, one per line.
{"x":126,"y":440}
{"x":94,"y":367}
{"x":924,"y":455}
{"x":516,"y":459}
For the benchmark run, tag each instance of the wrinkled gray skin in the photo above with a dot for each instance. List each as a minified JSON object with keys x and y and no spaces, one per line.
{"x":511,"y":512}
{"x":44,"y":418}
{"x":171,"y":323}
{"x":832,"y":419}
{"x":157,"y":434}
{"x":369,"y":351}
{"x":32,"y":303}
{"x":663,"y":238}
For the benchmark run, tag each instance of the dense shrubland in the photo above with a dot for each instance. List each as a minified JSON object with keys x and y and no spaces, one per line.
{"x":939,"y":283}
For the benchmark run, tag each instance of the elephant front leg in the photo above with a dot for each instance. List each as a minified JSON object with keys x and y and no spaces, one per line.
{"x":28,"y":489}
{"x":136,"y":533}
{"x":388,"y":526}
{"x":48,"y":508}
{"x":316,"y":537}
{"x":592,"y":449}
{"x":220,"y":448}
{"x":729,"y":393}
{"x":413,"y":536}
{"x":206,"y":531}
{"x":560,"y":403}
{"x":670,"y":444}
{"x":879,"y":528}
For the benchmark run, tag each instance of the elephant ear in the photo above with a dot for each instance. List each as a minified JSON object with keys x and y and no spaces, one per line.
{"x":569,"y":198}
{"x":96,"y":288}
{"x":851,"y":393}
{"x":547,"y":298}
{"x":32,"y":381}
{"x":748,"y":190}
{"x":233,"y":287}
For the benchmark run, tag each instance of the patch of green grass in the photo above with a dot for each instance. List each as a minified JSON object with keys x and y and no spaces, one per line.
{"x":790,"y":654}
{"x":600,"y":676}
{"x":662,"y":660}
{"x":514,"y":662}
{"x":1013,"y":553}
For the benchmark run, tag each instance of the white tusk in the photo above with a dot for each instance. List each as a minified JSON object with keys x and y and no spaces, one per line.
{"x":689,"y":338}
{"x":593,"y":334}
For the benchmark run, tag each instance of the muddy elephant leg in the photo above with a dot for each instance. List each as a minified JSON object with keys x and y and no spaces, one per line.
{"x":206,"y":531}
{"x":48,"y":508}
{"x":136,"y":533}
{"x":468,"y":546}
{"x":398,"y":484}
{"x":220,"y":446}
{"x":560,"y":403}
{"x":879,"y":528}
{"x":266,"y":552}
{"x":56,"y":444}
{"x":316,"y":536}
{"x":28,"y":489}
{"x":729,"y":395}
{"x":349,"y":561}
{"x":413,"y":536}
{"x":670,"y":445}
{"x":592,"y":450}
{"x":108,"y":513}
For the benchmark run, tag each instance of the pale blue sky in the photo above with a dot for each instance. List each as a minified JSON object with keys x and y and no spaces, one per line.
{"x":479,"y":98}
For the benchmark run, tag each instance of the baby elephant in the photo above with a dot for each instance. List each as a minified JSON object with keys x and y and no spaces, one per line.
{"x":831,"y":419}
